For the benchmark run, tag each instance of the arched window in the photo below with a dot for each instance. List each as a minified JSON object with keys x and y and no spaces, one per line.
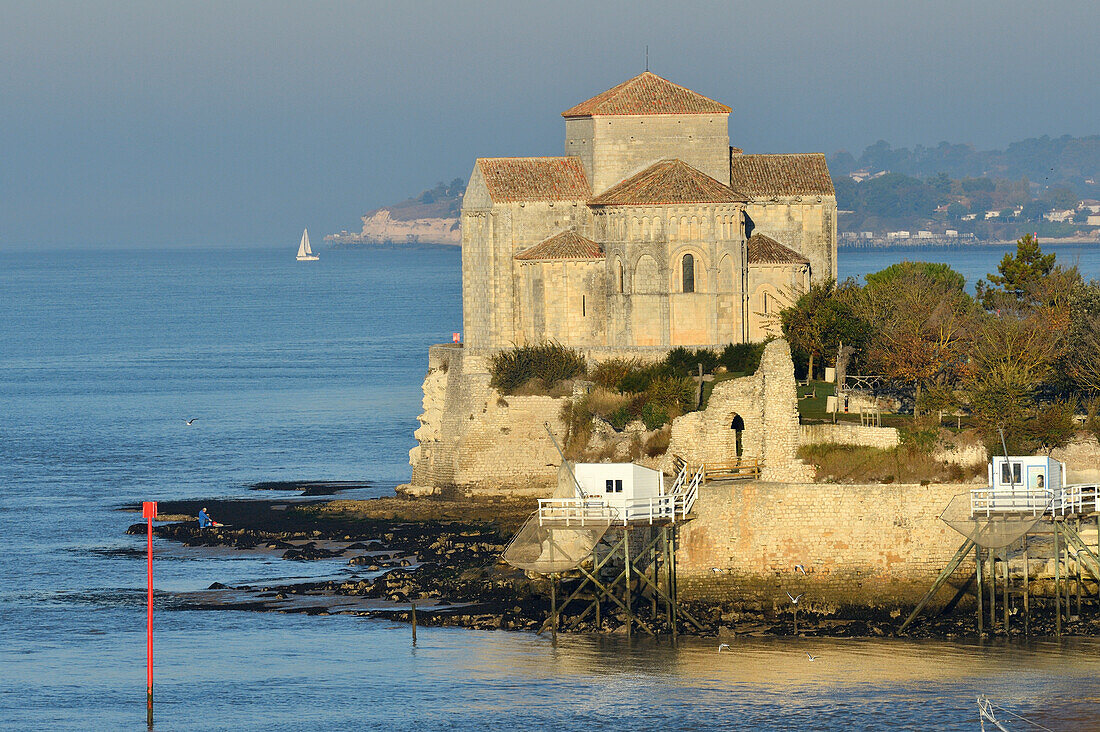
{"x":621,"y":288}
{"x":689,"y":273}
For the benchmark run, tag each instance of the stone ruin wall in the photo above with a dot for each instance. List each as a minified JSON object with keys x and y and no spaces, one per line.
{"x":473,"y":440}
{"x":869,"y":545}
{"x":768,"y":403}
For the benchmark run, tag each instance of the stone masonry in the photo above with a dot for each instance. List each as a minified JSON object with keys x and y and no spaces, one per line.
{"x":767,"y":402}
{"x":869,"y":545}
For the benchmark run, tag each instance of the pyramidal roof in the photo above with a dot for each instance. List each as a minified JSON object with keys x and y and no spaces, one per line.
{"x":566,"y":245}
{"x":669,"y":181}
{"x":647,"y":93}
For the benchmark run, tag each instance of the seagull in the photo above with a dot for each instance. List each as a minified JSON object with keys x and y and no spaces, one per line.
{"x":190,"y":421}
{"x":726,"y":646}
{"x":715,"y":570}
{"x":800,"y":568}
{"x":795,"y":599}
{"x":812,"y":658}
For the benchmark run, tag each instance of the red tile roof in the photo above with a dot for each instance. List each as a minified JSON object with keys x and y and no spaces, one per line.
{"x":535,"y":179}
{"x":761,"y":249}
{"x":781,"y":175}
{"x":566,"y":245}
{"x":647,"y":94}
{"x":669,"y":181}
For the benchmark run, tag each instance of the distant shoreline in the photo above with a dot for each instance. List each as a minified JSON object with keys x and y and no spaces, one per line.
{"x":940,"y":244}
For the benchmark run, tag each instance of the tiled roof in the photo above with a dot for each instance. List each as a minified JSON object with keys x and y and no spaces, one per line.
{"x":761,"y":249}
{"x":669,"y":181}
{"x":566,"y":245}
{"x":781,"y":175}
{"x":535,"y":179}
{"x":647,"y":94}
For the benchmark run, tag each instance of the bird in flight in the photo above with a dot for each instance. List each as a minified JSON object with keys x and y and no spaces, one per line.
{"x":812,"y":658}
{"x":795,"y":598}
{"x":800,"y":568}
{"x":726,"y":646}
{"x":190,"y":421}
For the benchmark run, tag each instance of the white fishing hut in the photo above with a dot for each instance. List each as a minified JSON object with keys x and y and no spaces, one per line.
{"x":619,"y":484}
{"x":1031,"y":472}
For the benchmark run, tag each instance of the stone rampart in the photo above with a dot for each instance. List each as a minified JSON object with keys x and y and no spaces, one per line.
{"x":866,"y":545}
{"x":473,"y":440}
{"x":845,"y":433}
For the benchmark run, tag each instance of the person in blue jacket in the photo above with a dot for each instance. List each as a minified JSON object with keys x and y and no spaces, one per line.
{"x":205,"y":521}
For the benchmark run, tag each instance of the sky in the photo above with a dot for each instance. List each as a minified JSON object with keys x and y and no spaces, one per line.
{"x":136,"y":124}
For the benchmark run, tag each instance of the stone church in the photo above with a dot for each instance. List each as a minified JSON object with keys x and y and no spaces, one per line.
{"x":650,"y":232}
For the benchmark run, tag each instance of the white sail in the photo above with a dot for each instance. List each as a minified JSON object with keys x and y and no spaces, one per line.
{"x":304,"y":252}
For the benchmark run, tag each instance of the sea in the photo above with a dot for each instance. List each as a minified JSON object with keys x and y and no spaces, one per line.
{"x":312,"y":371}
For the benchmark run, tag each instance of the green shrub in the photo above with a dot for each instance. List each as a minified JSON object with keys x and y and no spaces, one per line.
{"x":685,"y":361}
{"x":743,"y":358}
{"x":653,"y":416}
{"x":619,"y":418}
{"x":609,"y":373}
{"x":638,"y":379}
{"x":672,"y":394}
{"x":549,"y":362}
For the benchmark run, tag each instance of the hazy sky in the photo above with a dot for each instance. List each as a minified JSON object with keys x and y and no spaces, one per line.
{"x":235,"y":123}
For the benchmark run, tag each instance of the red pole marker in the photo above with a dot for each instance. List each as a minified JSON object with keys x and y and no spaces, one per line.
{"x":456,"y":337}
{"x":149,"y":512}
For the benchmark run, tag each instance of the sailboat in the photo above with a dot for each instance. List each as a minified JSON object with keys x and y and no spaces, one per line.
{"x":305,"y":254}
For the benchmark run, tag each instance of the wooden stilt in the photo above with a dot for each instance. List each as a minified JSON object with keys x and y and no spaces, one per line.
{"x":629,"y":603}
{"x":1004,"y":599}
{"x":668,"y":579}
{"x":978,"y":592}
{"x":960,"y":554}
{"x":992,"y":593}
{"x":554,"y":607}
{"x":1027,"y":591}
{"x":653,"y":568}
{"x":1077,"y":568}
{"x":1057,"y":586}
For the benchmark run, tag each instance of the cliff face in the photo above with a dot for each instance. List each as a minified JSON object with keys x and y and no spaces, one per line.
{"x":381,"y":227}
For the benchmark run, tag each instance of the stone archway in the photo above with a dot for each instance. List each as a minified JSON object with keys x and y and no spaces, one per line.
{"x":737,"y":424}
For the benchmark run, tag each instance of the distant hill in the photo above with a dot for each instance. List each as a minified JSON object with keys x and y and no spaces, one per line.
{"x":428,"y":218}
{"x":1073,"y":162}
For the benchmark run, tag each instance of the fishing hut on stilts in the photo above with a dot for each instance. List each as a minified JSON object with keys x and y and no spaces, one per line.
{"x":608,"y":536}
{"x":1026,"y":519}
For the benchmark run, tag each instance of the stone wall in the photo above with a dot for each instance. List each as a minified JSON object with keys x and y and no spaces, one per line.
{"x":613,"y":148}
{"x":871,"y":545}
{"x":767,"y":402}
{"x":846,"y":433}
{"x":806,"y":224}
{"x":473,"y":440}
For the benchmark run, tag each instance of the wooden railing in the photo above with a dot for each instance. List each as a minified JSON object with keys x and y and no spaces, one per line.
{"x":742,"y":469}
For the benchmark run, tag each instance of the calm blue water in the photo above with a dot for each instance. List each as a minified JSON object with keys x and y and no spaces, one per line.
{"x":309,"y":371}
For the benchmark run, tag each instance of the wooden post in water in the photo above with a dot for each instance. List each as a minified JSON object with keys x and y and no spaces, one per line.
{"x":653,"y":593}
{"x":1027,"y":591}
{"x":1077,"y":526}
{"x":978,"y":575}
{"x":412,"y":617}
{"x":149,"y":512}
{"x":1004,"y":600}
{"x":1057,"y":587}
{"x":992,"y":593}
{"x":554,"y":607}
{"x":629,"y":602}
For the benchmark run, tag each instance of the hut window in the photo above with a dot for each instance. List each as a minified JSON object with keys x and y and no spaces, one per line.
{"x":1012,"y":477}
{"x":609,"y":486}
{"x":689,"y":273}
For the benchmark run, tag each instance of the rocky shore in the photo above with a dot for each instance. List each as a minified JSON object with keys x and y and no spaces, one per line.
{"x":384,"y":555}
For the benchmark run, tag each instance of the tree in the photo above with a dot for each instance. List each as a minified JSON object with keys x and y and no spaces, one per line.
{"x":922,"y":340}
{"x":819,"y":322}
{"x":901,"y":273}
{"x":1018,"y":274}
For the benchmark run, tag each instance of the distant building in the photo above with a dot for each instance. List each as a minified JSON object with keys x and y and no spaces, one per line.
{"x":951,"y":234}
{"x":1091,"y":204}
{"x":1060,"y":216}
{"x":1094,"y":220}
{"x":969,"y":217}
{"x":991,"y":215}
{"x":924,"y":234}
{"x":866,"y":235}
